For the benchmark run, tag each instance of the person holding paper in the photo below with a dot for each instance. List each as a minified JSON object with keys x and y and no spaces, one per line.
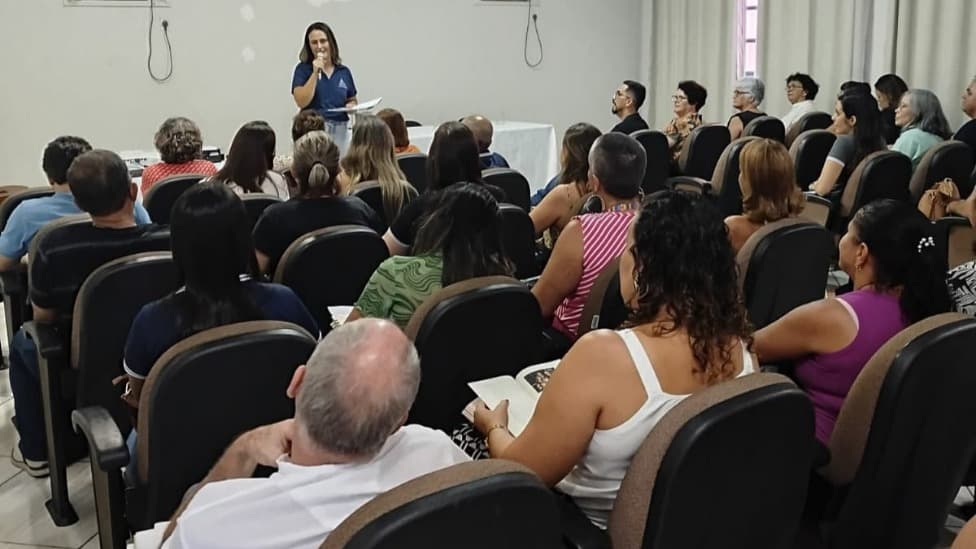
{"x":688,"y":331}
{"x":322,"y":82}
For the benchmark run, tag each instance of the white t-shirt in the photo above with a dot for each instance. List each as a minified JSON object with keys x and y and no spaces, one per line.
{"x":796,"y":111}
{"x":300,"y":506}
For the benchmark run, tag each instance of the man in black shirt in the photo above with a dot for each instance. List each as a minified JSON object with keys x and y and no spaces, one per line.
{"x":63,"y":259}
{"x":626,"y":101}
{"x":967,"y":132}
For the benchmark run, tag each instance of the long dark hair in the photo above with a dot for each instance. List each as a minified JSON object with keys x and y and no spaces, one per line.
{"x":893,"y":87}
{"x":465,"y":229}
{"x":897,"y":236}
{"x":250,"y":157}
{"x":577,"y":142}
{"x":212,"y":248}
{"x":306,"y":55}
{"x":673,"y":237}
{"x":868,"y":136}
{"x":453,"y":157}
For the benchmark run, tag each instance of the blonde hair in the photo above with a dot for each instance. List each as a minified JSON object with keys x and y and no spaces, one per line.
{"x":370,"y":158}
{"x":768,"y":182}
{"x":315,"y":165}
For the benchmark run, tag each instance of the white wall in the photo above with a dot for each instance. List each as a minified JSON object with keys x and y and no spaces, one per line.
{"x":70,"y":70}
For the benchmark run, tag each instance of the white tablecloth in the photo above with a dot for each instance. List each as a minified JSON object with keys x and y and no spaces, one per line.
{"x":529,"y":148}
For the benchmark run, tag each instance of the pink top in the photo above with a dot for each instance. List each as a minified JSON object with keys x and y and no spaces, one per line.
{"x":162,"y":170}
{"x":604,"y":236}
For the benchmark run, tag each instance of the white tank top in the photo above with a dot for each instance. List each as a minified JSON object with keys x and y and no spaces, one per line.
{"x":595,"y":481}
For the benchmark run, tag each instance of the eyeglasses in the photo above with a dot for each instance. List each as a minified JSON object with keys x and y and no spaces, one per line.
{"x":739,"y":92}
{"x":678,"y":98}
{"x":794,"y":87}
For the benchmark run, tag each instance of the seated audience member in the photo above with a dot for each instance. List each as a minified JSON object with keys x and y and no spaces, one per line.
{"x":29,"y":216}
{"x":560,"y":206}
{"x":308,"y":120}
{"x":214,"y":257}
{"x":922,"y":123}
{"x":401,"y":138}
{"x":688,"y":331}
{"x":346,"y":445}
{"x":769,"y":191}
{"x":688,"y":100}
{"x":801,"y":90}
{"x":897,"y":280}
{"x":319,"y":203}
{"x":748,"y":94}
{"x":99,"y":181}
{"x":370,"y":158}
{"x":967,"y":132}
{"x":180,"y":147}
{"x":590,"y":241}
{"x":854,"y":86}
{"x":459,"y":240}
{"x":889,"y":89}
{"x":858,"y":128}
{"x":943,"y":199}
{"x":625,"y":103}
{"x":453,"y":158}
{"x":249,"y":162}
{"x":484,"y":132}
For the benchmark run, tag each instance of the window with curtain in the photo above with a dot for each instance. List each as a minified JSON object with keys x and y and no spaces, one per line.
{"x":747,"y":37}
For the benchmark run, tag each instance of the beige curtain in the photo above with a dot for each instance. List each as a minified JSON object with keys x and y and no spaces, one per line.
{"x":688,"y":40}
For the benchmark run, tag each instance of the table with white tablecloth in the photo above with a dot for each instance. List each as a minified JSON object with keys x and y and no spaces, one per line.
{"x":528,"y":147}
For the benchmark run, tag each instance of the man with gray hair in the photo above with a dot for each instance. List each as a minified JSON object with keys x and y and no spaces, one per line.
{"x":484,"y":133}
{"x":346,"y":445}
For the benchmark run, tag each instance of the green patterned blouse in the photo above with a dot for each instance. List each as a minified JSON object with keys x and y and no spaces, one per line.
{"x":399,"y":285}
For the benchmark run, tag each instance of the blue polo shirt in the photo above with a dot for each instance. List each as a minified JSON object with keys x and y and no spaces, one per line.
{"x":330,"y":92}
{"x":30,"y":215}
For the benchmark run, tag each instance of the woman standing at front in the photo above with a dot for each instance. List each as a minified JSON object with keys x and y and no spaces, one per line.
{"x":321,"y":82}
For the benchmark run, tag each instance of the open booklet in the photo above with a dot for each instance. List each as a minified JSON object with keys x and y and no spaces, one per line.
{"x":361,"y":107}
{"x":522,"y":392}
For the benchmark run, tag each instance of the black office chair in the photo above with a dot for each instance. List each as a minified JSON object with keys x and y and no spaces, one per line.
{"x":518,"y":240}
{"x":949,"y":159}
{"x":414,"y":166}
{"x":515,"y":185}
{"x":815,"y":120}
{"x":655,"y":144}
{"x":255,"y":204}
{"x":371,"y":193}
{"x":816,"y":209}
{"x":604,"y":307}
{"x":689,"y":184}
{"x":882,"y":174}
{"x":955,"y":241}
{"x":160,"y":198}
{"x":331,"y":266}
{"x":413,"y":124}
{"x":768,"y":127}
{"x":725,"y":180}
{"x":809,"y":152}
{"x":701,"y":152}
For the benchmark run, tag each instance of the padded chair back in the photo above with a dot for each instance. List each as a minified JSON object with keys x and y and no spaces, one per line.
{"x":725,"y":180}
{"x":747,"y":443}
{"x":15,"y":199}
{"x":107,"y":303}
{"x":815,"y":120}
{"x":782,"y":266}
{"x":518,"y":240}
{"x":809,"y":152}
{"x":903,"y":438}
{"x":769,"y":127}
{"x":160,"y":198}
{"x":331,"y":266}
{"x":6,"y":191}
{"x":515,"y":185}
{"x":469,"y":331}
{"x":689,"y":184}
{"x":882,"y":174}
{"x":655,"y":144}
{"x":952,"y":159}
{"x":255,"y":204}
{"x":504,"y":502}
{"x":816,"y":209}
{"x":412,"y":124}
{"x":414,"y":166}
{"x":701,"y":152}
{"x":955,"y":240}
{"x":371,"y":192}
{"x":204,"y":392}
{"x":604,"y":307}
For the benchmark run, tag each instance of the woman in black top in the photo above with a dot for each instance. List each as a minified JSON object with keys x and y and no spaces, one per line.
{"x":748,"y":94}
{"x":889,"y":88}
{"x":315,"y":168}
{"x":453,"y":158}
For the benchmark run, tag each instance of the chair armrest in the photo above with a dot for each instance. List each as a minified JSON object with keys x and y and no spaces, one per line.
{"x":531,"y":281}
{"x":50,"y":338}
{"x":577,"y":530}
{"x":105,"y":441}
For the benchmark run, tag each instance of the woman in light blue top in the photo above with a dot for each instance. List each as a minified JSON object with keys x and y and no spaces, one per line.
{"x":922,"y":123}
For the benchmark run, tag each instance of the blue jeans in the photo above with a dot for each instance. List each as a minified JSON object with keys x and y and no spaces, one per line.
{"x":25,"y":382}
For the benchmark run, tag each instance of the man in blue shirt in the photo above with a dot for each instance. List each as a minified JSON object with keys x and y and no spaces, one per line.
{"x":29,"y":216}
{"x":483,"y":133}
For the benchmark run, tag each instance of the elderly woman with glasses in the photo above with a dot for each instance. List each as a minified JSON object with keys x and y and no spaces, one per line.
{"x":688,"y":100}
{"x":748,"y":94}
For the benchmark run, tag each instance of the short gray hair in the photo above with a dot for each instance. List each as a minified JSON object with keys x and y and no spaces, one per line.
{"x":928,"y":113}
{"x":359,"y":386}
{"x":753,"y":87}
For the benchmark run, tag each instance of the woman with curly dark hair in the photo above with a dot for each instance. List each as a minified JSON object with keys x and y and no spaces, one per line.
{"x":180,"y":147}
{"x":688,"y":331}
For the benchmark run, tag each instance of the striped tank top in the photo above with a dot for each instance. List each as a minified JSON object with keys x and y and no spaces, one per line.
{"x":604,"y":236}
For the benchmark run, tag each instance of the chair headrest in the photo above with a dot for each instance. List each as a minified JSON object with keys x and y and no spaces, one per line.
{"x":456,"y":289}
{"x":722,"y":173}
{"x":744,"y":257}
